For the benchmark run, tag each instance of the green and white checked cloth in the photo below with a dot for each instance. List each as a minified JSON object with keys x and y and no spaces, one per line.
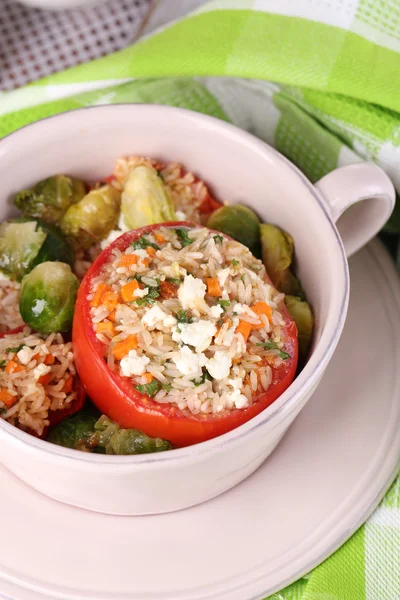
{"x":317,"y":79}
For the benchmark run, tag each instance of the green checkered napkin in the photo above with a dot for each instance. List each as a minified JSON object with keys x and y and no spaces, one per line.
{"x":334,"y":100}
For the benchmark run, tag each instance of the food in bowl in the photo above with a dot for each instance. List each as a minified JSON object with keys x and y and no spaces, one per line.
{"x":179,"y":333}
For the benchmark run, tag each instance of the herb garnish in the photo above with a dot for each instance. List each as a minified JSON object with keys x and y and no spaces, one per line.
{"x":235,"y":262}
{"x":142,"y":243}
{"x":154,"y":293}
{"x":223,"y":303}
{"x":203,"y":378}
{"x":183,"y":237}
{"x":174,"y":280}
{"x":2,"y":363}
{"x":273,"y":346}
{"x":3,"y":410}
{"x":151,"y":389}
{"x":16,"y":349}
{"x":218,"y":239}
{"x":182,"y":317}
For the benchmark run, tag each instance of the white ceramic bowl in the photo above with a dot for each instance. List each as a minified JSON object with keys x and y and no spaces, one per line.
{"x":239,"y":168}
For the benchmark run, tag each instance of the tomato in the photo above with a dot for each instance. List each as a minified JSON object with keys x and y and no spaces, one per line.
{"x":12,"y":331}
{"x":115,"y":395}
{"x":56,"y":416}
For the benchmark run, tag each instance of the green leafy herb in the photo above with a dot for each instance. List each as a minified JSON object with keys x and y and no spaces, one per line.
{"x":235,"y":262}
{"x":182,"y":317}
{"x":16,"y":349}
{"x":154,"y":293}
{"x":2,"y":363}
{"x":223,"y":303}
{"x":3,"y":411}
{"x":203,"y":378}
{"x":174,"y":280}
{"x":142,"y":243}
{"x":151,"y":389}
{"x":273,"y":346}
{"x":183,"y":237}
{"x":218,"y":239}
{"x":138,"y":278}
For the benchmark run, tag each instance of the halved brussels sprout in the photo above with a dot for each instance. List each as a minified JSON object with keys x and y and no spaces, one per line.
{"x":91,"y":220}
{"x":50,"y":198}
{"x":303,"y":317}
{"x":277,"y":254}
{"x":240,"y":223}
{"x":73,"y":431}
{"x":145,"y":199}
{"x":24,"y":243}
{"x":48,"y":295}
{"x":115,"y":440}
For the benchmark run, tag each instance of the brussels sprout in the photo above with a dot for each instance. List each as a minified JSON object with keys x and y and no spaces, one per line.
{"x":145,"y":199}
{"x":239,"y":222}
{"x":24,"y":243}
{"x":277,"y":254}
{"x":91,"y":220}
{"x":115,"y":440}
{"x":74,"y":431}
{"x":50,"y":198}
{"x":48,"y":295}
{"x":303,"y":317}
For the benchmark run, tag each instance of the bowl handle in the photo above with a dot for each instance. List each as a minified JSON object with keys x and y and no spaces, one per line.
{"x":360,"y":198}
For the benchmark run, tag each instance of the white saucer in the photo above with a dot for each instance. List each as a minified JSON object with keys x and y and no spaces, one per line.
{"x":322,"y":482}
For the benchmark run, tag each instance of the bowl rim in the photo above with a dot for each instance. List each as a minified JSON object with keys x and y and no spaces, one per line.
{"x":301,"y":385}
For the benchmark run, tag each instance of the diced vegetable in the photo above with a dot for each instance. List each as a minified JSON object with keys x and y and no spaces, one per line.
{"x":7,"y":398}
{"x":92,"y":218}
{"x":55,"y":247}
{"x":128,"y":290}
{"x":261,"y":308}
{"x":48,"y":295}
{"x":244,"y":328}
{"x":101,"y":289}
{"x":240,"y":223}
{"x":302,"y":315}
{"x":49,"y":199}
{"x":145,"y":199}
{"x":277,"y":255}
{"x":115,"y":440}
{"x":74,"y":431}
{"x":213,"y":287}
{"x":121,"y":349}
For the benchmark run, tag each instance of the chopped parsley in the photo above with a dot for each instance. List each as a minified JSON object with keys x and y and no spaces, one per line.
{"x":16,"y":349}
{"x":235,"y":262}
{"x":142,"y":243}
{"x":3,"y":410}
{"x":218,"y":239}
{"x":174,"y":280}
{"x":273,"y":346}
{"x":2,"y":363}
{"x":151,"y":389}
{"x":223,"y":303}
{"x":183,"y":237}
{"x":203,"y":378}
{"x":182,"y":317}
{"x":138,"y":278}
{"x":151,"y":297}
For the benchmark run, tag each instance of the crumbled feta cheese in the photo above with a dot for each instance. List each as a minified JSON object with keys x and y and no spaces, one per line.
{"x":237,"y":383}
{"x":239,"y":308}
{"x":169,"y":321}
{"x":153,"y":316}
{"x":238,"y":399}
{"x":223,"y":275}
{"x":180,"y":216}
{"x":216,"y":311}
{"x":219,"y":366}
{"x":191,"y":293}
{"x":141,"y":253}
{"x":189,"y":363}
{"x":132,"y":364}
{"x":112,"y":236}
{"x":25,"y":355}
{"x":198,"y":334}
{"x":41,"y":370}
{"x":138,"y":293}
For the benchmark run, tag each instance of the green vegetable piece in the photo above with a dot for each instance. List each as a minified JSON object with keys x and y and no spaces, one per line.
{"x":182,"y":317}
{"x":145,"y":199}
{"x":277,"y":254}
{"x":272,"y":346}
{"x":142,"y":243}
{"x":302,"y":315}
{"x":235,"y":262}
{"x":205,"y":377}
{"x":20,"y":243}
{"x":218,"y":239}
{"x":2,"y":363}
{"x":16,"y":349}
{"x":223,"y":303}
{"x":55,"y":247}
{"x":154,"y":293}
{"x":150,"y":389}
{"x":50,"y":198}
{"x":48,"y":295}
{"x":240,"y":223}
{"x":92,"y":218}
{"x":74,"y":431}
{"x":115,"y":440}
{"x":183,"y":237}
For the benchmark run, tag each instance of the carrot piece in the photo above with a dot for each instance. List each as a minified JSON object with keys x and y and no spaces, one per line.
{"x":145,"y":262}
{"x":68,"y":385}
{"x":127,"y":290}
{"x":49,"y":359}
{"x":101,"y":289}
{"x":121,"y":349}
{"x":261,"y":308}
{"x":148,"y":377}
{"x":244,"y":328}
{"x":111,"y":316}
{"x":128,"y":259}
{"x":151,"y":251}
{"x":160,"y":239}
{"x":106,"y":327}
{"x":6,"y":398}
{"x":45,"y":379}
{"x":14,"y":367}
{"x":213,"y":287}
{"x":110,"y":300}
